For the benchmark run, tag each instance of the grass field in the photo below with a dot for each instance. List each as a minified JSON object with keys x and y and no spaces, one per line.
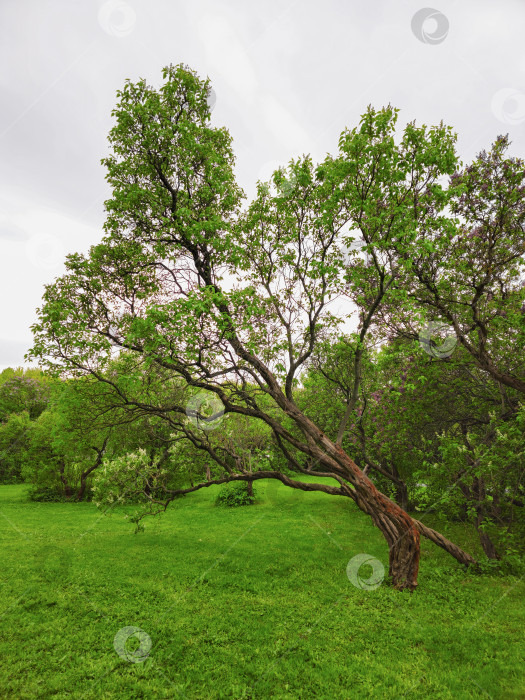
{"x":251,"y":602}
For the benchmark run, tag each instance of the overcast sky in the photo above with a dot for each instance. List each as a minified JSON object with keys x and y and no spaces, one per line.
{"x":289,"y":76}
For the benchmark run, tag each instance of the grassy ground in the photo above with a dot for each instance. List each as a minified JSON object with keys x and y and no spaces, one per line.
{"x":252,"y":602}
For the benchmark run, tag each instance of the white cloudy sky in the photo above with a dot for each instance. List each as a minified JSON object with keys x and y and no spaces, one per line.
{"x":289,"y":76}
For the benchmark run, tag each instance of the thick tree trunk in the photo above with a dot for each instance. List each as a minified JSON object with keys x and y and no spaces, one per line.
{"x":397,"y":527}
{"x":400,"y":530}
{"x":401,"y":534}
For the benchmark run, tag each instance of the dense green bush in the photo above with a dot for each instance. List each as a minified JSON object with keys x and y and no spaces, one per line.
{"x":236,"y":493}
{"x":14,"y":445}
{"x":23,"y":390}
{"x":46,"y":494}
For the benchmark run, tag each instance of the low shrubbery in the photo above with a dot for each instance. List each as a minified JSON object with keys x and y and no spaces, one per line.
{"x":236,"y":493}
{"x":46,"y":494}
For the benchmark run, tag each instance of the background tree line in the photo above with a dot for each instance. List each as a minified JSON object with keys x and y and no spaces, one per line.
{"x":433,"y":433}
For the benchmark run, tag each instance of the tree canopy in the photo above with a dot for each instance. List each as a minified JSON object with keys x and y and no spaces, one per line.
{"x":239,"y":302}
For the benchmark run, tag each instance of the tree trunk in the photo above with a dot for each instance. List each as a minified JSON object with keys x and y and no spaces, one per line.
{"x":486,"y":542}
{"x":397,"y":527}
{"x":401,"y":494}
{"x":87,"y":472}
{"x":488,"y":545}
{"x":81,"y":490}
{"x":400,"y":530}
{"x":401,"y":490}
{"x":402,"y":537}
{"x":68,"y":491}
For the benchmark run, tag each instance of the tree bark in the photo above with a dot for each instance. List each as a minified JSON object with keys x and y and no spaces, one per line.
{"x":87,"y":472}
{"x":68,"y":491}
{"x":400,"y":530}
{"x":401,"y":494}
{"x":487,"y":544}
{"x":397,"y":527}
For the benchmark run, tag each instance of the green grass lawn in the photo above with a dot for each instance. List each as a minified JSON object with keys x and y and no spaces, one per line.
{"x":251,"y":602}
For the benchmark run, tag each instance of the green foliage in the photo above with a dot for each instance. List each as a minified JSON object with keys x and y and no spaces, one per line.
{"x":14,"y":446}
{"x":235,"y":493}
{"x":125,"y":478}
{"x":189,"y":464}
{"x":23,"y":390}
{"x":46,"y":494}
{"x":44,"y":466}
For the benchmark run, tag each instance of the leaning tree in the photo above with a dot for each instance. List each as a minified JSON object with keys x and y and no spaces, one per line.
{"x":234,"y":301}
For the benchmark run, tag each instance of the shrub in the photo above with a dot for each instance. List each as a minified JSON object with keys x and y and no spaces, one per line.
{"x":14,"y":445}
{"x":125,"y":479}
{"x":46,"y":494}
{"x":234,"y":494}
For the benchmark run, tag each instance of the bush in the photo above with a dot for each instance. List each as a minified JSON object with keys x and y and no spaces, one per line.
{"x":14,"y":445}
{"x":129,"y":478}
{"x":234,"y":494}
{"x":46,"y":494}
